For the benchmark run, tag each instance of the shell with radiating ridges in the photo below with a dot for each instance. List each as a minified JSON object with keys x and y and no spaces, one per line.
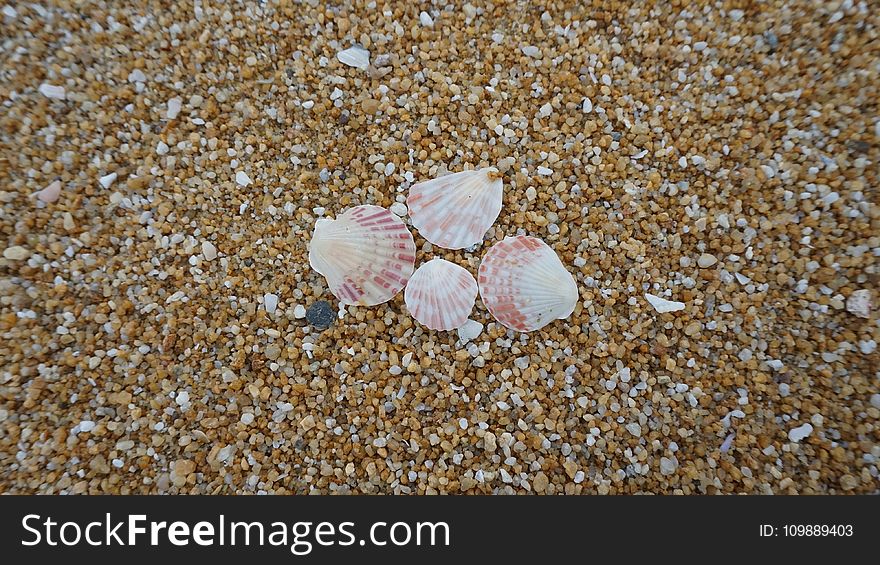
{"x":367,"y":255}
{"x":524,"y":284}
{"x":441,"y":295}
{"x":455,"y":211}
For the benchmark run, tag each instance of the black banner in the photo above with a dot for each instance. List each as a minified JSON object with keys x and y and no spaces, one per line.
{"x":434,"y":529}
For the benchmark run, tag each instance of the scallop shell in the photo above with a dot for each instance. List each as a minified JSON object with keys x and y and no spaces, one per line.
{"x":455,"y":211}
{"x":524,"y":284}
{"x":366,"y":254}
{"x":356,"y":57}
{"x":441,"y":295}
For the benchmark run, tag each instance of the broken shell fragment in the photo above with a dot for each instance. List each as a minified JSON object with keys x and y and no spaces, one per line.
{"x":441,"y":295}
{"x":49,"y":194}
{"x":366,"y":254}
{"x":356,"y":57}
{"x":455,"y":211}
{"x":524,"y":284}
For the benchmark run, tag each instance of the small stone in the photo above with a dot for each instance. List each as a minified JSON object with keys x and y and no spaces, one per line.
{"x":859,"y":303}
{"x":321,"y":315}
{"x":209,"y":252}
{"x":634,"y":429}
{"x":53,"y":92}
{"x":531,"y":51}
{"x":162,"y":148}
{"x":370,"y":106}
{"x":399,"y":208}
{"x":668,"y":465}
{"x":425,"y":19}
{"x":273,"y":352}
{"x":247,"y":418}
{"x":86,"y":426}
{"x":307,"y":423}
{"x":706,"y":260}
{"x":182,"y":398}
{"x":183,"y":468}
{"x":299,"y":311}
{"x":270,"y":302}
{"x":242,"y":179}
{"x":541,"y":481}
{"x":848,"y":482}
{"x":16,"y":253}
{"x":137,"y":75}
{"x":174,"y":107}
{"x":470,"y":330}
{"x":800,"y":432}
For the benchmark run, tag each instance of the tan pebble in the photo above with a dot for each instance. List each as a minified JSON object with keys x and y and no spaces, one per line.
{"x":307,"y":423}
{"x":16,"y":253}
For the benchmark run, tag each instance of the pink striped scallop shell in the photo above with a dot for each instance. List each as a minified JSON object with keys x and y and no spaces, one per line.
{"x":440,"y":295}
{"x":367,"y":255}
{"x":455,"y":211}
{"x":524,"y":284}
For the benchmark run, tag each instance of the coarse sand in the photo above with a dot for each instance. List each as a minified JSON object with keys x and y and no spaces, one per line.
{"x":154,"y":311}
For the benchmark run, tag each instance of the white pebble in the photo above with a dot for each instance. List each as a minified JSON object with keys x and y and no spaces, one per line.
{"x":86,"y":426}
{"x":174,"y":106}
{"x":531,"y":51}
{"x":270,"y":302}
{"x":299,"y":311}
{"x":242,"y":179}
{"x":137,"y":75}
{"x":426,"y":19}
{"x":470,"y":330}
{"x":209,"y":251}
{"x":706,"y":260}
{"x":399,"y":208}
{"x":800,"y":432}
{"x":51,"y":91}
{"x":162,"y":148}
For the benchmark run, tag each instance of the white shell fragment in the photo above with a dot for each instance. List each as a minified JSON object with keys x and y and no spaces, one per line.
{"x":366,"y":254}
{"x":455,"y":211}
{"x":524,"y":284}
{"x":441,"y":295}
{"x":356,"y":57}
{"x":51,"y":193}
{"x":662,"y":305}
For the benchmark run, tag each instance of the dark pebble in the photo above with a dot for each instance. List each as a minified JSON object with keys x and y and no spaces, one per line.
{"x":321,"y":314}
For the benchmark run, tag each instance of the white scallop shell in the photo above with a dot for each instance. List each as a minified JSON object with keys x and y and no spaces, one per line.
{"x":524,"y":284}
{"x":455,"y":211}
{"x":366,"y":254}
{"x":441,"y":295}
{"x":356,"y":57}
